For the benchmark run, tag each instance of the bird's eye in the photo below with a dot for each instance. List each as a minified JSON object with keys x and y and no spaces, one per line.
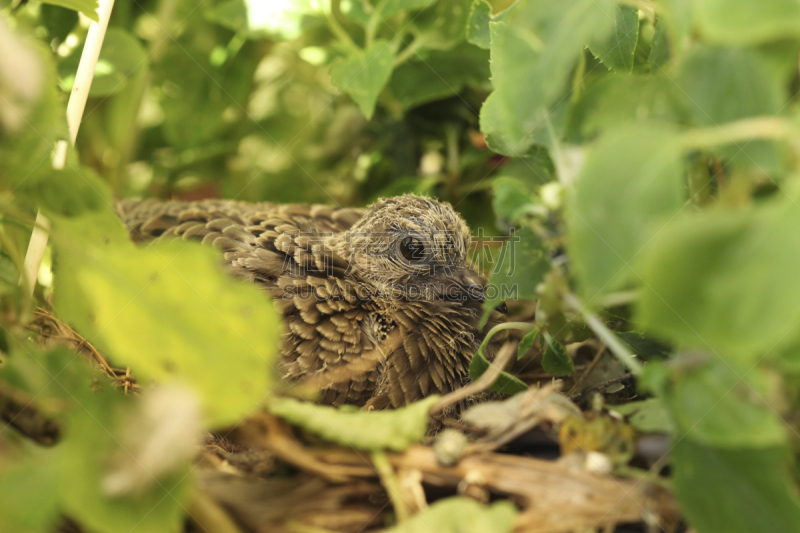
{"x":412,"y":249}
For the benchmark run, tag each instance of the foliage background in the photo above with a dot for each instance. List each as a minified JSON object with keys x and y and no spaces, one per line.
{"x":646,"y":152}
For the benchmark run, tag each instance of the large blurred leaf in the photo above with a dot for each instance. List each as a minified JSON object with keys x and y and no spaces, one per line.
{"x":742,"y":22}
{"x":93,"y":417}
{"x":30,"y":494}
{"x":121,"y":57}
{"x":705,"y":278}
{"x":460,"y":515}
{"x":93,"y":442}
{"x":713,"y":404}
{"x":169,"y":311}
{"x":348,"y":426}
{"x":630,"y":186}
{"x":533,"y":51}
{"x":616,"y":50}
{"x":440,"y":75}
{"x":363,"y":74}
{"x":87,"y":7}
{"x":735,"y":491}
{"x":622,"y":98}
{"x":721,"y":85}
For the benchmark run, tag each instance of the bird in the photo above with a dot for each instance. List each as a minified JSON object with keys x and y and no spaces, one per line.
{"x":381,"y":305}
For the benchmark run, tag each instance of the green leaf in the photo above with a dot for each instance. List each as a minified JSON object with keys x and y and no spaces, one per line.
{"x":646,"y":416}
{"x":58,"y":21}
{"x":87,"y":7}
{"x":630,"y":187}
{"x":556,"y":360}
{"x":520,"y":267}
{"x":620,"y":98}
{"x":527,"y":342}
{"x":95,"y":420}
{"x":363,"y":74}
{"x":735,"y":491}
{"x":459,"y":514}
{"x":441,"y":75}
{"x":97,"y":430}
{"x":743,"y":23}
{"x":190,"y":83}
{"x":727,"y":84}
{"x":510,"y":195}
{"x":444,"y":25}
{"x":478,"y":25}
{"x":533,"y":52}
{"x":694,"y":293}
{"x":30,"y":495}
{"x":505,"y":383}
{"x":169,"y":311}
{"x":348,"y":426}
{"x":67,"y":192}
{"x":616,"y":50}
{"x":390,"y":8}
{"x":35,"y":116}
{"x":122,"y":57}
{"x":645,"y":347}
{"x":713,"y":404}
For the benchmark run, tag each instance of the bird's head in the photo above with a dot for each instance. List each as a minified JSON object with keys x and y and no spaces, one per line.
{"x":413,"y":247}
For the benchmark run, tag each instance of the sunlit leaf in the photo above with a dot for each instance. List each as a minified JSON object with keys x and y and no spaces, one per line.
{"x":169,"y":311}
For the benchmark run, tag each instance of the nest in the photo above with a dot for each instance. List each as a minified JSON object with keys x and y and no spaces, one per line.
{"x":267,"y":476}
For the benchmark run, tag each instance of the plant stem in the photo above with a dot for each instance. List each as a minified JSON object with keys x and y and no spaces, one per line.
{"x":740,"y":130}
{"x":337,"y":29}
{"x":372,"y":25}
{"x":617,"y":347}
{"x":408,"y":52}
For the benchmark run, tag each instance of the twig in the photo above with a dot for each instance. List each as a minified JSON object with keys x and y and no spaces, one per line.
{"x":589,"y":369}
{"x":209,"y":515}
{"x":391,"y":484}
{"x":337,"y":29}
{"x":617,"y":347}
{"x":482,"y":383}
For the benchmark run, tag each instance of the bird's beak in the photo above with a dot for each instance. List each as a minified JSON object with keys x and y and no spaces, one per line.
{"x":469,"y":287}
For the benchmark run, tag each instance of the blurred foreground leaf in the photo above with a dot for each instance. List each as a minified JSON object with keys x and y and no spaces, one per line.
{"x":735,"y":490}
{"x":706,"y":277}
{"x":349,"y":426}
{"x":630,"y":187}
{"x":169,"y":311}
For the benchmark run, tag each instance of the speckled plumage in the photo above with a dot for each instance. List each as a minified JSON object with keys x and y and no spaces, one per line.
{"x":364,"y":323}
